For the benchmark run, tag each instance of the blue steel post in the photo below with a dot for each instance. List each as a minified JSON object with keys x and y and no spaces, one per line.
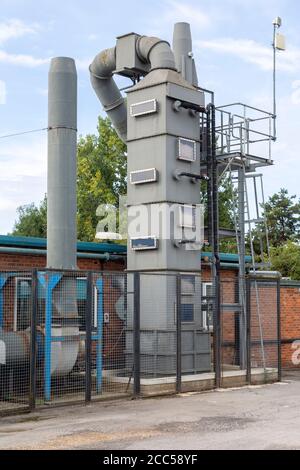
{"x":100,"y":315}
{"x":49,"y":284}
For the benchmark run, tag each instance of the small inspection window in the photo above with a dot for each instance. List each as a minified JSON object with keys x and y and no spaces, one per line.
{"x":144,"y":243}
{"x":188,"y":284}
{"x":143,"y":108}
{"x":187,"y":313}
{"x":187,"y":216}
{"x":144,"y":176}
{"x":187,"y":150}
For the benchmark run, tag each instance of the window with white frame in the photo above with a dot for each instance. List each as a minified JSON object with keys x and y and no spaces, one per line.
{"x":22,"y":304}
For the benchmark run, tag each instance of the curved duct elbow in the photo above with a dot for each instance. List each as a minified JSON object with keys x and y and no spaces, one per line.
{"x":107,"y":91}
{"x":156,"y":52}
{"x":150,"y":50}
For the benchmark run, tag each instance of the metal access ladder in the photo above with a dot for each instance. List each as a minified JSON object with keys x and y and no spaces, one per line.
{"x":257,"y":221}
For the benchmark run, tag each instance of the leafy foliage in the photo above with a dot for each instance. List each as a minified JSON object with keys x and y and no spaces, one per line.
{"x":32,"y":220}
{"x":102,"y":171}
{"x":286,"y":259}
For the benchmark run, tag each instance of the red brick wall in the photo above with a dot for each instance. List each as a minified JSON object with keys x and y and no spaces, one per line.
{"x":22,"y":262}
{"x":290,"y":325}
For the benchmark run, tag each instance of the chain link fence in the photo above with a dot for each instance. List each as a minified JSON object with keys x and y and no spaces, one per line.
{"x":73,"y":337}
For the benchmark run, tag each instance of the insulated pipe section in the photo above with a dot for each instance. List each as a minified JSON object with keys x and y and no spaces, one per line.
{"x":182,"y":47}
{"x":62,"y":165}
{"x":156,"y":52}
{"x":149,"y":50}
{"x":107,"y":91}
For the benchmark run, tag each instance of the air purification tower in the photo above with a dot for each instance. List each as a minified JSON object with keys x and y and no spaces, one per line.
{"x":160,"y":124}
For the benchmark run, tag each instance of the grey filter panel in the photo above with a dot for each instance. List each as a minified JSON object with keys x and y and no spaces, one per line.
{"x":143,"y":176}
{"x":187,"y":150}
{"x":140,"y":244}
{"x":145,"y":107}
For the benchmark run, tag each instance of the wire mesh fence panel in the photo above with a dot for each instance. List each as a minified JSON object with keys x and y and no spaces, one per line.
{"x":61,"y":337}
{"x":197,"y":299}
{"x":264,"y":330}
{"x":15,"y":337}
{"x":75,"y":336}
{"x":158,"y":337}
{"x":233,"y":339}
{"x":112,"y":370}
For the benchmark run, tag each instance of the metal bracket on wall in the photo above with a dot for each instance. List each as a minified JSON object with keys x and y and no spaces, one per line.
{"x":178,"y":174}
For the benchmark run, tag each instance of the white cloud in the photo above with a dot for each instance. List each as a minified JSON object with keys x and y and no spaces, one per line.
{"x":83,"y":64}
{"x":25,"y":60}
{"x":253,"y":52}
{"x":42,"y":91}
{"x":93,"y":37}
{"x":175,"y":11}
{"x":185,"y":12}
{"x":295,"y":96}
{"x":2,"y":92}
{"x":24,"y":158}
{"x":15,"y":28}
{"x":22,"y":60}
{"x":23,"y":175}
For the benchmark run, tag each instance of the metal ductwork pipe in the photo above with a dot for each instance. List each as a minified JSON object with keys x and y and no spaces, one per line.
{"x":183,"y":47}
{"x":62,"y":165}
{"x":156,"y":52}
{"x":149,"y":50}
{"x":107,"y":91}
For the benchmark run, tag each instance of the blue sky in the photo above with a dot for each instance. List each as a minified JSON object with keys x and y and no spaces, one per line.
{"x":232,"y":47}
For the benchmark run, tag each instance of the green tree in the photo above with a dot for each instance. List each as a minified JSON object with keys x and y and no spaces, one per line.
{"x":283,"y":220}
{"x":283,"y":217}
{"x":102,"y":171}
{"x":32,"y":220}
{"x":286,"y":259}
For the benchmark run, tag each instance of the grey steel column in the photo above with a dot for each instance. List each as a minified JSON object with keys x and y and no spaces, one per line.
{"x":242,"y":266}
{"x":137,"y":337}
{"x":178,"y":334}
{"x":62,"y":165}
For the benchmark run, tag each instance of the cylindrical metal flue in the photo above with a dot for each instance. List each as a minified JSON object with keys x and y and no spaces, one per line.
{"x":182,"y":48}
{"x":62,"y":165}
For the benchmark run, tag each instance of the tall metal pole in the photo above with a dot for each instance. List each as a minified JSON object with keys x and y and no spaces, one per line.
{"x":274,"y":83}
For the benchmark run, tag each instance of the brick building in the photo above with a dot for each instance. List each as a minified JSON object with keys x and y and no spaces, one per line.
{"x":22,"y":253}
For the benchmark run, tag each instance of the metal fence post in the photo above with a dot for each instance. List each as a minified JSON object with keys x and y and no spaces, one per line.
{"x":136,"y":337}
{"x":33,"y":348}
{"x":217,"y":319}
{"x":178,"y":334}
{"x":279,"y":331}
{"x":248,"y":330}
{"x":88,"y":338}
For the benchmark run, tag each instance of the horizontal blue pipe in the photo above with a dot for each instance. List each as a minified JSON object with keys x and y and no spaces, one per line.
{"x":32,"y":242}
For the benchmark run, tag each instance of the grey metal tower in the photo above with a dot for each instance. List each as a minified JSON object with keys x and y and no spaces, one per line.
{"x":163,"y":142}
